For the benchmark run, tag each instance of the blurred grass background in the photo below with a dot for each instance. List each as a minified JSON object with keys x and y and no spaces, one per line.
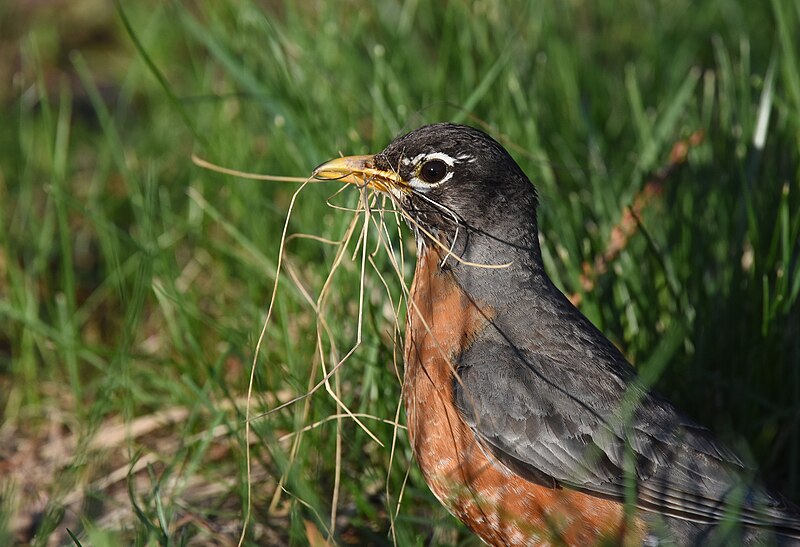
{"x":133,"y":285}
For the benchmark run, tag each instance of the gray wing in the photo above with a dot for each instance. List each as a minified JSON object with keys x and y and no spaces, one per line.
{"x":583,"y":429}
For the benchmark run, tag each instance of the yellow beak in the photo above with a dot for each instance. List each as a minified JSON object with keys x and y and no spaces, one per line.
{"x":361,"y":171}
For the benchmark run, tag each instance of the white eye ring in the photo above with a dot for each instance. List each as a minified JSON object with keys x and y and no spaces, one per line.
{"x":420,"y":160}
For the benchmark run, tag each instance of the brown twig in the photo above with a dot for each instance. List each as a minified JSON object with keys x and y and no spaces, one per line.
{"x":628,"y":223}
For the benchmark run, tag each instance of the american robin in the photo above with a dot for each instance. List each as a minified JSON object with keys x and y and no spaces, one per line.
{"x":527,"y":423}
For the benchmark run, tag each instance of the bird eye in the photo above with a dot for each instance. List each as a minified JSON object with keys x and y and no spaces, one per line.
{"x":433,"y":171}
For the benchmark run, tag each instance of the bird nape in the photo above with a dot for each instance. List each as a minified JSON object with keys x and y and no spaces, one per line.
{"x":527,"y":422}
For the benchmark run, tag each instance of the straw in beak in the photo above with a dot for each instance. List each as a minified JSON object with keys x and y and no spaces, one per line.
{"x":361,"y":171}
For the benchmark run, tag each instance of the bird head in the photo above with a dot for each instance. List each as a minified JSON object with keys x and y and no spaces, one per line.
{"x":448,"y":180}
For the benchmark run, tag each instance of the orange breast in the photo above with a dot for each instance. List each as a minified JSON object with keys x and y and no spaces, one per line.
{"x":499,"y":506}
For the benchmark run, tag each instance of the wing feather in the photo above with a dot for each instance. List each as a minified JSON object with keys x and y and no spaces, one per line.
{"x":551,"y":422}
